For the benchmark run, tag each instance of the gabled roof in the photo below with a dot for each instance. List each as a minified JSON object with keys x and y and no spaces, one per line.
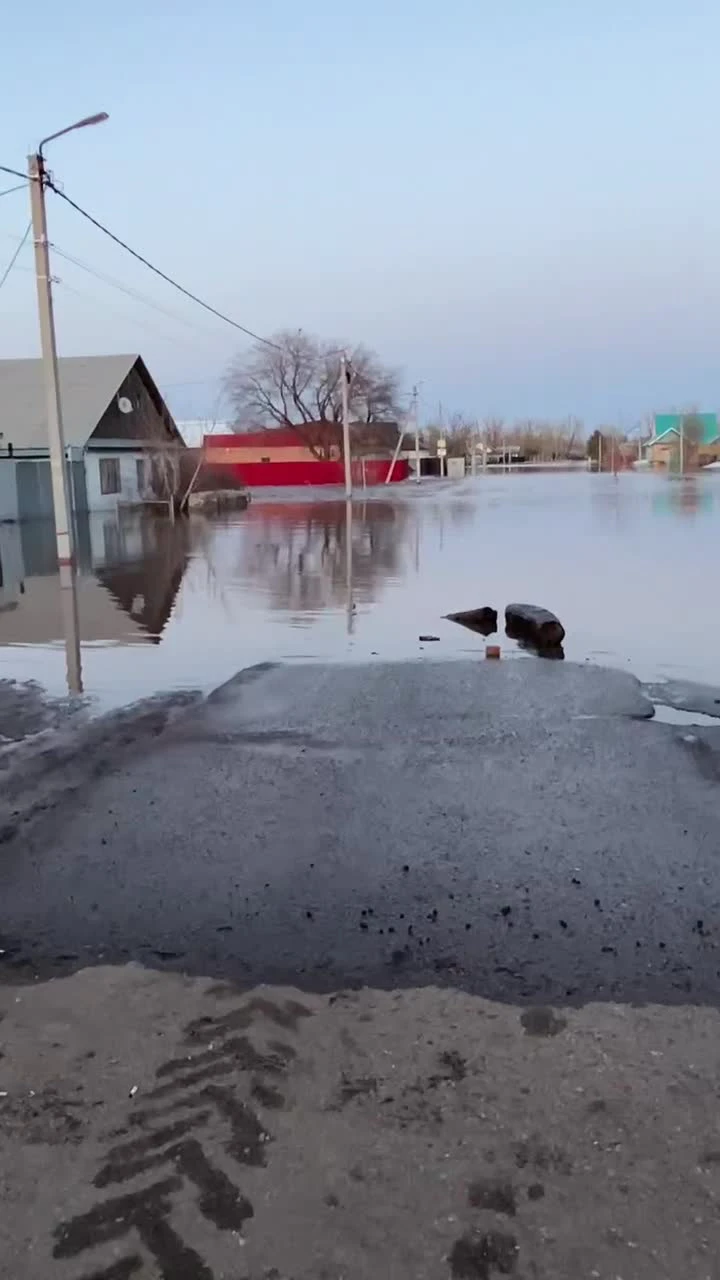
{"x":705,"y":427}
{"x":87,"y":385}
{"x":671,"y":431}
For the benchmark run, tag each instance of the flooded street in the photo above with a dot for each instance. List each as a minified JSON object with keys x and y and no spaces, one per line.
{"x":628,"y":565}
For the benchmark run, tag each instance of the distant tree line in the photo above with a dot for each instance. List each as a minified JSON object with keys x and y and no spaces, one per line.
{"x":537,"y":439}
{"x":293,"y":380}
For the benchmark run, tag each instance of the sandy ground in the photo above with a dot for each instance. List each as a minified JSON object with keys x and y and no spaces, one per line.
{"x":155,"y":1126}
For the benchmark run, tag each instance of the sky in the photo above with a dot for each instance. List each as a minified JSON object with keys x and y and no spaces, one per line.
{"x":515,"y":202}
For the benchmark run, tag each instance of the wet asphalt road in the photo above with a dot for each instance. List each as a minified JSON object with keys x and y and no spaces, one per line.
{"x":515,"y":829}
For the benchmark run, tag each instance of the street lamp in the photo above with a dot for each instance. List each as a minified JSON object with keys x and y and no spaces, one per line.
{"x":48,"y":346}
{"x":99,"y":118}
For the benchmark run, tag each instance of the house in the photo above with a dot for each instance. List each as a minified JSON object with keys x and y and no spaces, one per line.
{"x":116,"y":426}
{"x":700,"y":438}
{"x":310,"y":453}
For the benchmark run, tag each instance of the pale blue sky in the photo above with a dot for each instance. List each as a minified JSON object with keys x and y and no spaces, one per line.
{"x":517,"y":201}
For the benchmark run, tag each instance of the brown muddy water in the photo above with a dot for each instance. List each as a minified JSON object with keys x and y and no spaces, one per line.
{"x":628,"y":564}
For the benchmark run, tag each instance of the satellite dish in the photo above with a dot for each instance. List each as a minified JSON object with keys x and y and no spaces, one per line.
{"x":124,"y":405}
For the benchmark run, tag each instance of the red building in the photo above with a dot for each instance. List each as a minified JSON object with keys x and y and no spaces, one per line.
{"x":283,"y":456}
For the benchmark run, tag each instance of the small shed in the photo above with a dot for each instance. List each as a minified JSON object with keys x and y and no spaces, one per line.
{"x":115,"y":424}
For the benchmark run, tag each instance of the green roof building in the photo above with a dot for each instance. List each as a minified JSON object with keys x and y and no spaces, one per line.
{"x":702,"y":426}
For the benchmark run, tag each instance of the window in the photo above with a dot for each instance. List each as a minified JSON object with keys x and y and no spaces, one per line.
{"x":109,"y":475}
{"x":142,"y":474}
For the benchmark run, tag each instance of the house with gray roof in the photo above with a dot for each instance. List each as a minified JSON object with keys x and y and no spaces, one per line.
{"x":115,"y":423}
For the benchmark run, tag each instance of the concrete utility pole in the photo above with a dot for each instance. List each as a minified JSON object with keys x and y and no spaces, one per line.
{"x":48,"y":345}
{"x":53,"y":407}
{"x":416,"y":423}
{"x":345,"y":376}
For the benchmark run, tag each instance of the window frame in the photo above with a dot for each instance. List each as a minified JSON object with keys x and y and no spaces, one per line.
{"x":110,"y":484}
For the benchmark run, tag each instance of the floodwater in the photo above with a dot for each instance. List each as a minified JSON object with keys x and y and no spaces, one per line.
{"x":629,"y":564}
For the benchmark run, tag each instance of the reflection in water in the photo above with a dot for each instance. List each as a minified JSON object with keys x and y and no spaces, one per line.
{"x":685,"y":497}
{"x":627,"y":564}
{"x":71,"y":628}
{"x":349,"y":563}
{"x":309,"y":555}
{"x":129,"y":570}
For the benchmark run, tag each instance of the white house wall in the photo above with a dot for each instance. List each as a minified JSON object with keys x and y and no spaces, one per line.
{"x":129,"y":492}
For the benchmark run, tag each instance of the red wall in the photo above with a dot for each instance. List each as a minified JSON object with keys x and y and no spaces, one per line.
{"x":271,"y":474}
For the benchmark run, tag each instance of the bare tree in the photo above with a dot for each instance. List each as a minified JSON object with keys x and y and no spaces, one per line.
{"x":494,"y":430}
{"x":295,"y":383}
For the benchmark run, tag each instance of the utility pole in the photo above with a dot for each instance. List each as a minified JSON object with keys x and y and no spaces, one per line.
{"x":682,"y":444}
{"x":345,"y":376}
{"x":417,"y":433}
{"x":48,"y":346}
{"x":56,"y":439}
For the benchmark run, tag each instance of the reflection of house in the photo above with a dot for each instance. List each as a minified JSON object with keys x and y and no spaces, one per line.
{"x":115,"y":422}
{"x":310,"y":453}
{"x":700,"y":438}
{"x":130,"y":570}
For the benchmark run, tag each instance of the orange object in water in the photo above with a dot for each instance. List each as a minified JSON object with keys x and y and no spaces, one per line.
{"x":492,"y":650}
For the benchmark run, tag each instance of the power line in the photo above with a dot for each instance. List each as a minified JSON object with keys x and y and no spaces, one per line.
{"x":16,"y":255}
{"x":123,"y":288}
{"x":9,"y":190}
{"x":14,"y":173}
{"x":143,"y":321}
{"x":104,"y":278}
{"x":168,"y":279}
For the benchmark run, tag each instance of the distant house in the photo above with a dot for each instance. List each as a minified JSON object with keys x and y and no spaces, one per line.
{"x":115,"y":421}
{"x":310,"y":454}
{"x":700,"y":433}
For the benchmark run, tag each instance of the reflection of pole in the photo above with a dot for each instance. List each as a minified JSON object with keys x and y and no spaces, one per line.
{"x":71,"y":631}
{"x":349,"y":563}
{"x":345,"y":376}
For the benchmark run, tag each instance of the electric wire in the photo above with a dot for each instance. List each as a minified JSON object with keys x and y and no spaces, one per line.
{"x":162,"y":274}
{"x":16,"y":255}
